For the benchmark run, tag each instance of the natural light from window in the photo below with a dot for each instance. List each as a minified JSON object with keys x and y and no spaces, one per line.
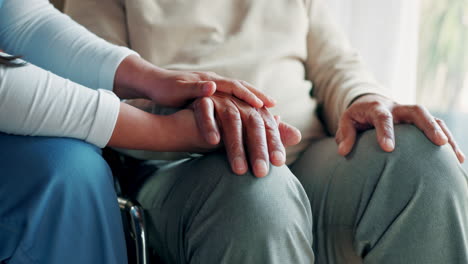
{"x":443,"y":56}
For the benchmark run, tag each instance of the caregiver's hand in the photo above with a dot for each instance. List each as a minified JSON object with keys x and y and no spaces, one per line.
{"x":137,"y":78}
{"x":372,"y":110}
{"x":244,"y":127}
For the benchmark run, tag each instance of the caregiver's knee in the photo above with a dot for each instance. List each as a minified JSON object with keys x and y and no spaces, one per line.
{"x":70,"y":162}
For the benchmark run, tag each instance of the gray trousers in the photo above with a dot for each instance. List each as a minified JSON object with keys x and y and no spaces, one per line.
{"x":372,"y":207}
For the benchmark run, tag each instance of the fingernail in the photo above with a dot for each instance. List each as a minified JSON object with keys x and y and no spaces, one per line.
{"x":259,"y":102}
{"x":462,"y":156}
{"x":388,"y":142}
{"x":277,"y":156}
{"x":341,"y":147}
{"x":261,"y":168}
{"x":239,"y":165}
{"x":272,"y":100}
{"x":213,"y":138}
{"x":207,"y":87}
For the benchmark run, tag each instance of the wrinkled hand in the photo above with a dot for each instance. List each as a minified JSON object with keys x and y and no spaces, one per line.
{"x":246,"y":131}
{"x":371,"y":110}
{"x":136,"y":78}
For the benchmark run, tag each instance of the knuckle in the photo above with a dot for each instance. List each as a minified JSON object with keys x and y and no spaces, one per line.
{"x":387,"y":131}
{"x":375,"y":104}
{"x":231,"y":113}
{"x":205,"y":102}
{"x":270,"y":124}
{"x":239,"y":86}
{"x":196,"y":104}
{"x":384,"y":116}
{"x":433,"y":123}
{"x":271,"y":130}
{"x":245,"y":83}
{"x":208,"y":123}
{"x":417,"y":109}
{"x":235,"y":147}
{"x":269,"y":120}
{"x":254,"y":118}
{"x":439,"y":121}
{"x":206,"y":75}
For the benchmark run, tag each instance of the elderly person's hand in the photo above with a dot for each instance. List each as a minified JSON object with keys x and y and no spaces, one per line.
{"x":246,"y":131}
{"x":137,"y":78}
{"x":380,"y":112}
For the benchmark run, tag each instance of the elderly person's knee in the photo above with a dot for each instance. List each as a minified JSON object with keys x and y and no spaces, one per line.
{"x":250,"y":212}
{"x":262,"y":198}
{"x":415,"y":160}
{"x":216,"y":201}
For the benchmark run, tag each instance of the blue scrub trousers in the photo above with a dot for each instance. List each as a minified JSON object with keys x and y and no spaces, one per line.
{"x":57,"y":203}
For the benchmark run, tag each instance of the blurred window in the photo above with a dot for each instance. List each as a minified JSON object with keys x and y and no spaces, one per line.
{"x":442,"y":84}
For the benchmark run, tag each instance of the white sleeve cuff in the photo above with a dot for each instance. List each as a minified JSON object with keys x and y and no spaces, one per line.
{"x":105,"y":119}
{"x":110,"y":65}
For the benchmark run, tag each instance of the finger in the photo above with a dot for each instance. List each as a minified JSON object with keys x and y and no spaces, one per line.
{"x":277,"y":119}
{"x":346,"y":135}
{"x":256,"y":142}
{"x":198,"y":89}
{"x":382,"y":120}
{"x":290,"y":135}
{"x":421,"y":118}
{"x":232,"y":137}
{"x":204,"y":115}
{"x":236,"y":88}
{"x":276,"y":149}
{"x":268,"y":101}
{"x":451,"y":140}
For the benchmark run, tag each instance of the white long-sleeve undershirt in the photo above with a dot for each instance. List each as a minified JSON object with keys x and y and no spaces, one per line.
{"x":50,"y":96}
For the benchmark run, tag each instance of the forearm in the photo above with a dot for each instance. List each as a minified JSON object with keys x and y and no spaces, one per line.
{"x":134,"y":76}
{"x":35,"y":102}
{"x":137,"y":129}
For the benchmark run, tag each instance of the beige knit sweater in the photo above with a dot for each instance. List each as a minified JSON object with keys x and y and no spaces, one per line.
{"x":283,"y":47}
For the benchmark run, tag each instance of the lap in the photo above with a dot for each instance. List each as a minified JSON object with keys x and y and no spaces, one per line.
{"x":323,"y":172}
{"x":355,"y":199}
{"x":46,"y":185}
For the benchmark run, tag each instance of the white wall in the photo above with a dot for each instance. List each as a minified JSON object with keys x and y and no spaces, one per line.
{"x":386,"y":34}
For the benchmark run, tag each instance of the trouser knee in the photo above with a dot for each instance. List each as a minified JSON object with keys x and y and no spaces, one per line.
{"x":416,"y":162}
{"x":228,"y":217}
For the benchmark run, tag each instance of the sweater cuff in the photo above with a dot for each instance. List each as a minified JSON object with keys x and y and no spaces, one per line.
{"x":110,"y":65}
{"x":105,"y":119}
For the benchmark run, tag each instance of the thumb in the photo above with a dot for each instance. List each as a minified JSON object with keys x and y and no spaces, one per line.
{"x":290,"y":135}
{"x":188,"y":89}
{"x":202,"y":88}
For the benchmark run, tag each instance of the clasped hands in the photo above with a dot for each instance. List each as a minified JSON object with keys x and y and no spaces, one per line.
{"x":221,"y":111}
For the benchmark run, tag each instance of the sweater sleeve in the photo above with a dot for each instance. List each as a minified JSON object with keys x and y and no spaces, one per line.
{"x":35,"y":102}
{"x":53,"y":41}
{"x":336,"y":70}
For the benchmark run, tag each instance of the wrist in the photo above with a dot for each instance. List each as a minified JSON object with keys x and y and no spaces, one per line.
{"x":134,"y":78}
{"x":368,"y":97}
